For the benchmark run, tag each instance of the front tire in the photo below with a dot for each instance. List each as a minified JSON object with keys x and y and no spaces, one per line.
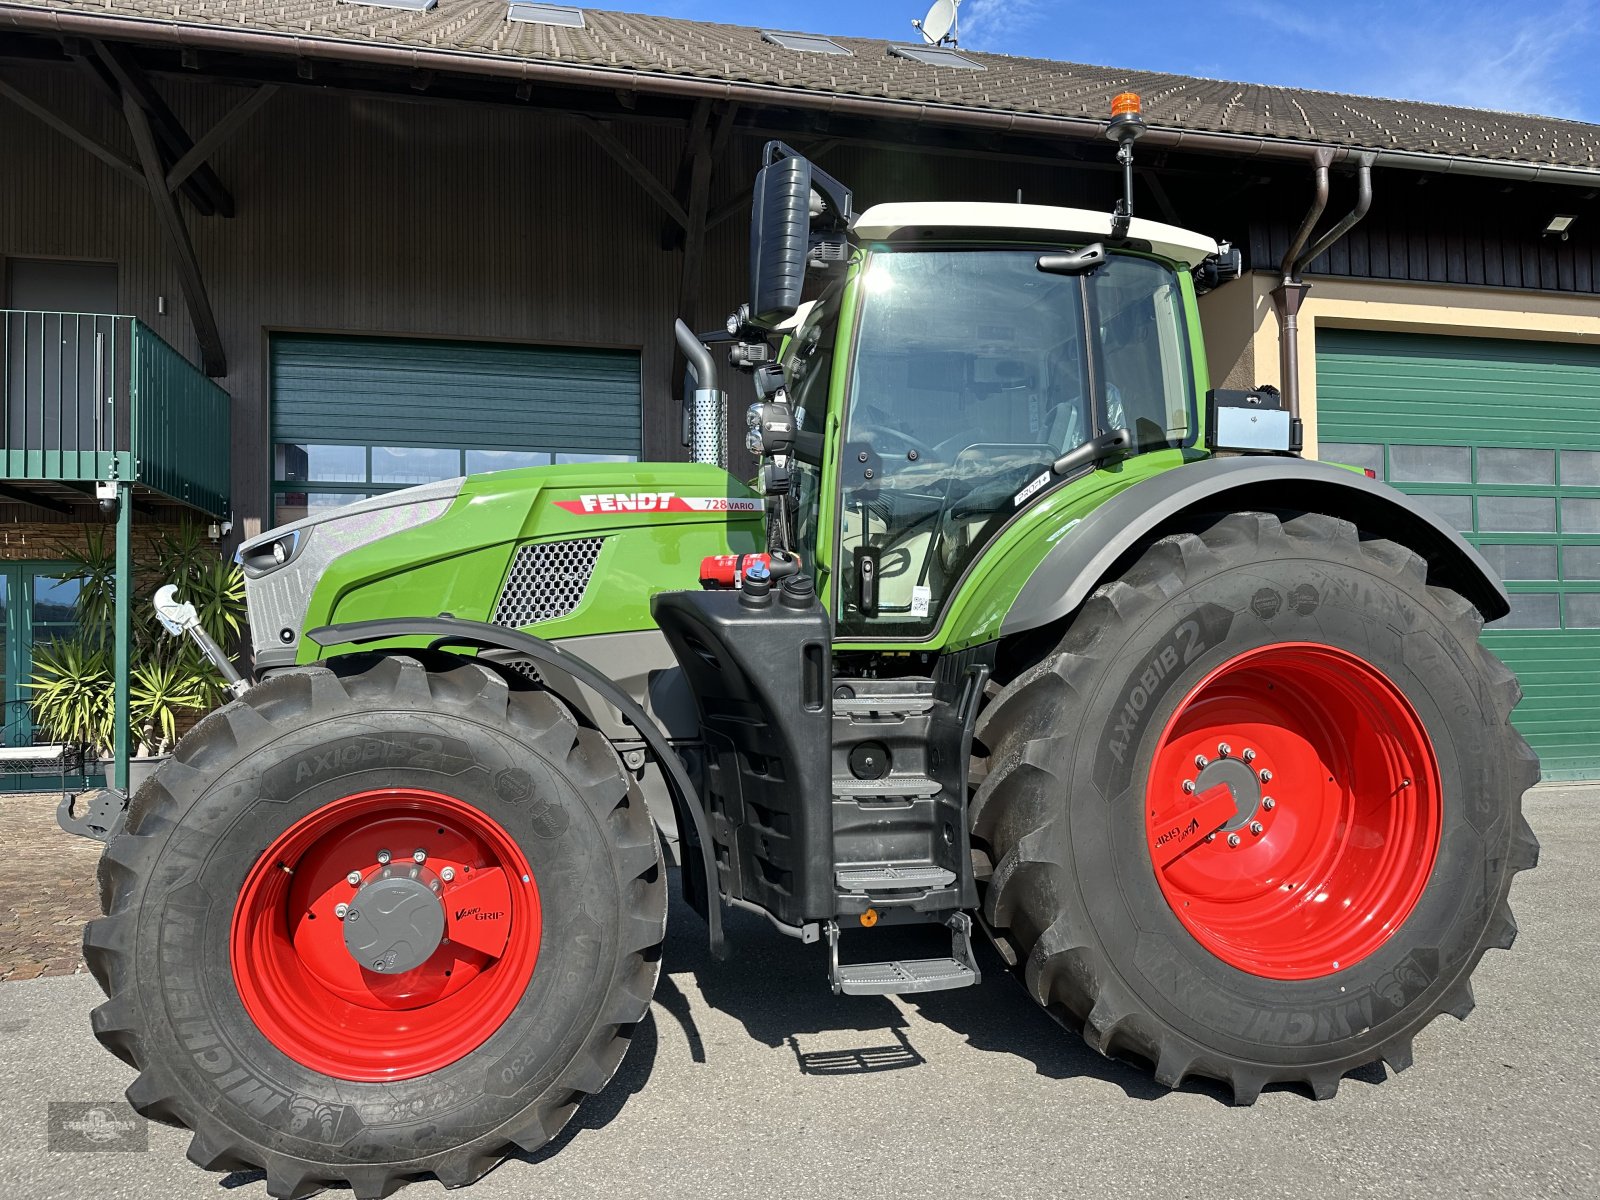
{"x":1292,"y":918}
{"x":230,"y":960}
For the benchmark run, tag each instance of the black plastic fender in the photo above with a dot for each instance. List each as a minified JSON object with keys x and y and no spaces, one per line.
{"x":699,"y":865}
{"x":1089,"y":552}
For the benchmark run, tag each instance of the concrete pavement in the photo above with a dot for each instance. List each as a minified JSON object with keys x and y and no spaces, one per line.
{"x":751,"y":1080}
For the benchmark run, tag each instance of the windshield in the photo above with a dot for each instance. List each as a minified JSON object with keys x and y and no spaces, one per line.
{"x":971,"y":376}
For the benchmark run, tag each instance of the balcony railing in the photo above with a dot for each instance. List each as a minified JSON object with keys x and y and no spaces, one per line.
{"x":86,"y":397}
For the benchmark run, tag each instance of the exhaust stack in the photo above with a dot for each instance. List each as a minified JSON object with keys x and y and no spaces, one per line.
{"x":708,"y":415}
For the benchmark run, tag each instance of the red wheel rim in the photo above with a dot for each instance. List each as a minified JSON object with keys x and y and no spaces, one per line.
{"x":1293,"y":812}
{"x":307,"y":993}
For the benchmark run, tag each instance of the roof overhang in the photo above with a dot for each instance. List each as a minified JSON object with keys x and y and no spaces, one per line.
{"x":190,"y":35}
{"x":892,"y":222}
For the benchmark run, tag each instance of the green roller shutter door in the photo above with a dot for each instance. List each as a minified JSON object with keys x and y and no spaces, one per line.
{"x":1503,"y":439}
{"x":466,"y":395}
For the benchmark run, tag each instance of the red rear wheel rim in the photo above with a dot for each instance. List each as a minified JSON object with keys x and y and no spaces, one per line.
{"x":1306,"y":858}
{"x":310,"y":997}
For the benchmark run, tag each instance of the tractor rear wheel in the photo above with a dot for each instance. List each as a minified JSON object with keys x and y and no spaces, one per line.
{"x":376,"y":921}
{"x":1257,"y":816}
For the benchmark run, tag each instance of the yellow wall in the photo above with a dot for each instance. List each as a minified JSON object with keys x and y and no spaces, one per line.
{"x":1241,"y":327}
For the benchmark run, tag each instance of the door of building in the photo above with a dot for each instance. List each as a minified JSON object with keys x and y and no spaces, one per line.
{"x":1502,"y":438}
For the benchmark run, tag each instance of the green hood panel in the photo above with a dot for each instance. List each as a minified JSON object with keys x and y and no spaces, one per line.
{"x":657,"y":522}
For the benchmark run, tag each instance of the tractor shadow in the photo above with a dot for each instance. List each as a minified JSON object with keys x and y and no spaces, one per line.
{"x":777,"y":988}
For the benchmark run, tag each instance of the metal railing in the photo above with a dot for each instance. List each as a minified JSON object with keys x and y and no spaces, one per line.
{"x":87,"y":397}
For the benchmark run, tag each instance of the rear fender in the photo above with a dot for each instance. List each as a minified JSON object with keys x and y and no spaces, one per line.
{"x":1137,"y":516}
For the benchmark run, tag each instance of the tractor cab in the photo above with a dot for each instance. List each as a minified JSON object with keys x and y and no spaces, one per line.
{"x":936,"y":383}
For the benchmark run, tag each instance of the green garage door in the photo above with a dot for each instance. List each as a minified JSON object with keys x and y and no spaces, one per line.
{"x":354,"y":416}
{"x":1503,"y":439}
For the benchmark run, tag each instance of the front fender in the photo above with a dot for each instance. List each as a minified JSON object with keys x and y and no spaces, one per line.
{"x":1136,"y":516}
{"x":699,"y":862}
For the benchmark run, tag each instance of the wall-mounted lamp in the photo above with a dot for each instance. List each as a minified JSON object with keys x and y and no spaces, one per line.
{"x":1558,"y":227}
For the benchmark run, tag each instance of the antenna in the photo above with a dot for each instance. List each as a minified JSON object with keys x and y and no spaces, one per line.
{"x":942,"y":25}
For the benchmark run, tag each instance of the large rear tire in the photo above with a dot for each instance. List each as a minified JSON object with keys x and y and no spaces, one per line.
{"x":515,"y":959}
{"x":1257,"y":816}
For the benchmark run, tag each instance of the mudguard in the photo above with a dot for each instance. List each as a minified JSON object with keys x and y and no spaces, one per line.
{"x":699,"y":865}
{"x":1130,"y":520}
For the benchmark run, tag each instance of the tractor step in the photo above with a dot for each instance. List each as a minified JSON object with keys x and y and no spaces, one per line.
{"x":899,"y":704}
{"x":849,"y":788}
{"x":885,"y":877}
{"x":910,"y":974}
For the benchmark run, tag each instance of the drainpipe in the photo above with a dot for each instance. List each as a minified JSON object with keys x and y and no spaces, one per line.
{"x":1291,"y":291}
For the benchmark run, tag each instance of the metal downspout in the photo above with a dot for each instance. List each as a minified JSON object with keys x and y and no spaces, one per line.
{"x":1291,"y":291}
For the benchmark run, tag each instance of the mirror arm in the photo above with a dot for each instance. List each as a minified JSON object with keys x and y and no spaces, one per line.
{"x":1093,"y":452}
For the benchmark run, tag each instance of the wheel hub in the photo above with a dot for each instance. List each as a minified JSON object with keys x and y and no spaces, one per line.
{"x":396,"y":921}
{"x":1301,"y":853}
{"x":1242,"y":785}
{"x":364,"y":965}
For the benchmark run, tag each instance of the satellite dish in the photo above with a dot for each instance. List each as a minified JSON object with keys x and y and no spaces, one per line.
{"x":939,"y":26}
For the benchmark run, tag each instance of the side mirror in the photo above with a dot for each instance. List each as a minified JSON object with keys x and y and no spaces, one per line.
{"x":780,"y":238}
{"x":1074,"y":262}
{"x":1225,"y":265}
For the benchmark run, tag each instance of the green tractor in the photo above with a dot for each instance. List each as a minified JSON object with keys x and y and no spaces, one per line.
{"x":1019,"y":630}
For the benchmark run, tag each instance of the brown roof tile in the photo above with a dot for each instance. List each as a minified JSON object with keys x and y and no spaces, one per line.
{"x":667,"y":46}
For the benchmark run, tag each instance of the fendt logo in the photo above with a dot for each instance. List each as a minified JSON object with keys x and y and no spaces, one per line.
{"x":655,"y":502}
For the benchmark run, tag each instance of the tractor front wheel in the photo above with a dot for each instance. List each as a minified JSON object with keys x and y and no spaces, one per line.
{"x":1257,"y":816}
{"x":376,"y":921}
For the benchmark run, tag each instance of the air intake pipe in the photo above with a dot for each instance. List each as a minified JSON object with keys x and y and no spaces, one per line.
{"x":708,"y":413}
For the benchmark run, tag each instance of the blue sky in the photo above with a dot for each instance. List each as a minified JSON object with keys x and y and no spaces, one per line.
{"x":1532,"y":57}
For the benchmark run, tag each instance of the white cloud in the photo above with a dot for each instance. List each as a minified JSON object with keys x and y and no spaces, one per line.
{"x":1001,"y":25}
{"x":1517,"y":63}
{"x":1478,"y":53}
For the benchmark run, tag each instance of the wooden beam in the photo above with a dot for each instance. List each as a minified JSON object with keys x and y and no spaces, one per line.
{"x":212,"y":357}
{"x":28,"y":496}
{"x":704,"y":156}
{"x":104,"y":153}
{"x":624,"y":158}
{"x":211,"y":141}
{"x":204,"y":190}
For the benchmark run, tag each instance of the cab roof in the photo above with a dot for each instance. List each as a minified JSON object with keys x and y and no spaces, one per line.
{"x":894,"y":222}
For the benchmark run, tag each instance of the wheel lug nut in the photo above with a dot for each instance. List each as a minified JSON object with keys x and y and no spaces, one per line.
{"x":1233,"y":839}
{"x":1269,"y":804}
{"x":1223,"y":749}
{"x":339,"y":910}
{"x":419,"y":855}
{"x":353,"y":879}
{"x":447,"y":874}
{"x":1188,"y":787}
{"x":1256,"y":827}
{"x":1266,"y":775}
{"x":1200,"y":762}
{"x":1249,"y":756}
{"x":383,"y":858}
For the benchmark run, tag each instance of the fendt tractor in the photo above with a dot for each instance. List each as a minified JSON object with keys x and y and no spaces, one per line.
{"x":1020,"y":633}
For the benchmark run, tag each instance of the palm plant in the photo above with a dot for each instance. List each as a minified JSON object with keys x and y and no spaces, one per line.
{"x":169,"y":680}
{"x":71,"y":684}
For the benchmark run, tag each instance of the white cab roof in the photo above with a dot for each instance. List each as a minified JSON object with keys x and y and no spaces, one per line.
{"x":883,"y":222}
